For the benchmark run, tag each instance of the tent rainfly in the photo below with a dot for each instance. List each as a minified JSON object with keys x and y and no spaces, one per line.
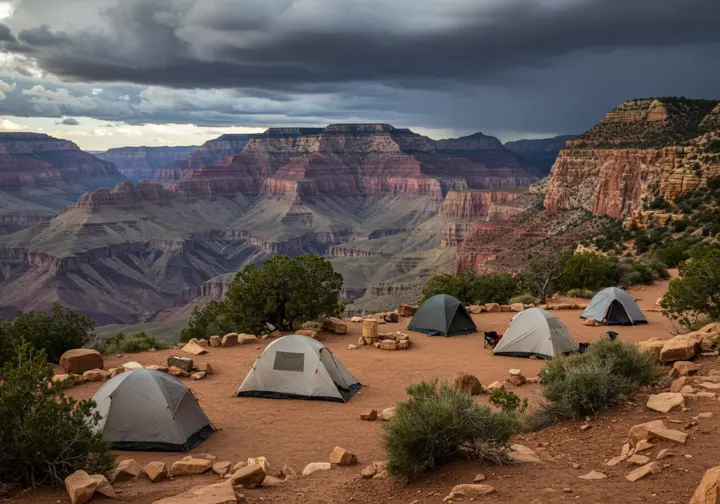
{"x":442,"y":315}
{"x":298,"y":367}
{"x":536,"y":332}
{"x":147,"y":410}
{"x":613,"y":306}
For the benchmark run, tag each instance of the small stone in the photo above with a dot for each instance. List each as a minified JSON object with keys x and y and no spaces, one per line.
{"x":316,"y":466}
{"x":199,"y":375}
{"x":585,"y":427}
{"x":496,"y":385}
{"x":288,"y":471}
{"x":369,"y":415}
{"x":664,"y":453}
{"x":641,"y":472}
{"x":176,"y":371}
{"x":229,"y":340}
{"x":239,"y":465}
{"x":341,"y":456}
{"x":593,"y":475}
{"x":671,"y":435}
{"x":479,"y":477}
{"x":523,"y":455}
{"x":261,"y":461}
{"x":215,"y":341}
{"x":642,"y":446}
{"x":80,"y":487}
{"x":638,"y":459}
{"x":352,"y":347}
{"x":665,"y":402}
{"x":685,"y":368}
{"x":616,"y":460}
{"x":193,"y":348}
{"x":250,"y":476}
{"x":129,"y":366}
{"x":156,"y":471}
{"x":678,"y":384}
{"x":188,"y":467}
{"x":468,"y":383}
{"x":387,"y":414}
{"x":205,"y":367}
{"x":94,"y":375}
{"x":469,"y":491}
{"x":575,"y":465}
{"x":162,"y":369}
{"x":126,"y":470}
{"x":368,"y":472}
{"x":221,"y":468}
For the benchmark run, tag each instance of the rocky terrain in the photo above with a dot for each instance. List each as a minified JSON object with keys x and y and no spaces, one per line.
{"x":641,"y":150}
{"x":210,"y":153}
{"x":375,"y":199}
{"x":40,"y":175}
{"x":141,"y":163}
{"x":540,"y":153}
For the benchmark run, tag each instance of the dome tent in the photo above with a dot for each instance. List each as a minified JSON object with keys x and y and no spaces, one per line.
{"x":298,"y":367}
{"x":536,"y":332}
{"x":613,"y":306}
{"x":144,"y":409}
{"x":442,"y":315}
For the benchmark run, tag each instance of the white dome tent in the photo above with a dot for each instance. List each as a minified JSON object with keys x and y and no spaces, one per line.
{"x":536,"y":332}
{"x":613,"y":306}
{"x":298,"y":367}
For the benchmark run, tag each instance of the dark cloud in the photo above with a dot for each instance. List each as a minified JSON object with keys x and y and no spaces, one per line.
{"x":6,"y":34}
{"x":69,"y":121}
{"x":520,"y":65}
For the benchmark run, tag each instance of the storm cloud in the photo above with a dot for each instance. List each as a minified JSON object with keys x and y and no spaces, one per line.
{"x":497,"y":65}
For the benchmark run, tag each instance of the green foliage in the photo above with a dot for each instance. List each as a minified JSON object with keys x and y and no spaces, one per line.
{"x":585,"y":384}
{"x":525,"y":299}
{"x":659,"y":203}
{"x":44,"y":435}
{"x":580,"y":293}
{"x":138,"y":342}
{"x":673,"y":252}
{"x":469,"y":287}
{"x":544,"y":276}
{"x":210,"y":320}
{"x":60,"y":330}
{"x":508,"y":402}
{"x":439,"y":423}
{"x":696,"y":291}
{"x":587,"y":271}
{"x":629,"y":272}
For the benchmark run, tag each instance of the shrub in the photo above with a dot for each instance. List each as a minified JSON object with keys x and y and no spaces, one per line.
{"x":697,"y":291}
{"x":580,"y":293}
{"x":60,"y":330}
{"x":637,"y":365}
{"x":45,"y":436}
{"x":525,"y":299}
{"x":207,"y":321}
{"x":587,"y":271}
{"x":673,"y":252}
{"x":439,"y":423}
{"x":139,"y":342}
{"x":469,"y":287}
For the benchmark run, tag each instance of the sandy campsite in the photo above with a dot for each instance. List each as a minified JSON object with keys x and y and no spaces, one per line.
{"x":298,"y":432}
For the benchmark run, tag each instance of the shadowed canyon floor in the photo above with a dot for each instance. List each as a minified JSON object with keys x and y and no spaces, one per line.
{"x":299,"y":432}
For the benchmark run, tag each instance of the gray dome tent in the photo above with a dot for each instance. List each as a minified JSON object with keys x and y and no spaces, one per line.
{"x":536,"y":332}
{"x":442,"y":315}
{"x":298,"y":367}
{"x":148,"y":410}
{"x":613,"y":306}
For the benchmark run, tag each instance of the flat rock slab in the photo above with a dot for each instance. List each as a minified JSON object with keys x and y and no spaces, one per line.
{"x":641,"y":472}
{"x":191,"y":466}
{"x":316,"y":466}
{"x":672,"y":435}
{"x":708,"y":491}
{"x":666,"y":402}
{"x":469,"y":491}
{"x":220,"y":493}
{"x":593,"y":476}
{"x":523,"y":455}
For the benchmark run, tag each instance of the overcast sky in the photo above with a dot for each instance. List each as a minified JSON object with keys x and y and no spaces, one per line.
{"x":108,"y":73}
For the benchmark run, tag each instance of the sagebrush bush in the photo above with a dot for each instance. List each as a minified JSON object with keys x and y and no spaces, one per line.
{"x":580,"y":293}
{"x":524,"y":299}
{"x":139,"y":342}
{"x":44,"y":435}
{"x":438,"y":423}
{"x":585,"y":384}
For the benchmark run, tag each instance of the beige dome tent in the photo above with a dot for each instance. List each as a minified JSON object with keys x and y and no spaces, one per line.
{"x":148,"y":410}
{"x":298,"y":367}
{"x":536,"y":332}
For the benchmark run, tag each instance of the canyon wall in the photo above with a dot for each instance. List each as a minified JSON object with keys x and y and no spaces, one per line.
{"x":141,"y":163}
{"x":540,"y":153}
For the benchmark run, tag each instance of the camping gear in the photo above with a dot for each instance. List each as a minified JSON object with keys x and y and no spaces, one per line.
{"x":536,"y":332}
{"x":612,"y":335}
{"x":492,"y":338}
{"x":298,"y":367}
{"x":613,"y":306}
{"x":148,"y":410}
{"x":442,"y":315}
{"x":583,"y":347}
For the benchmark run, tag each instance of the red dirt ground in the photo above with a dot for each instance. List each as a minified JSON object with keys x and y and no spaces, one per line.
{"x":299,"y":432}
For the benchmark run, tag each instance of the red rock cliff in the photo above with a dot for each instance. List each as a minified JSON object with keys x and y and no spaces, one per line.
{"x":474,"y":204}
{"x":141,"y":163}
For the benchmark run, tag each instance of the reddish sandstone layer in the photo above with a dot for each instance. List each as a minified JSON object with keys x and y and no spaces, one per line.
{"x":474,"y":204}
{"x":125,"y":194}
{"x":141,"y":163}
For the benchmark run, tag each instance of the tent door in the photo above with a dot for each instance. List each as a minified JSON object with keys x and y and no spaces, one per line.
{"x":617,"y":315}
{"x":329,"y":362}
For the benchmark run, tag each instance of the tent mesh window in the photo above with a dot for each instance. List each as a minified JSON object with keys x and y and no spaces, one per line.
{"x":289,"y":361}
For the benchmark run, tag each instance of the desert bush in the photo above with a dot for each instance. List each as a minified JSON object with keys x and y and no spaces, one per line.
{"x":469,"y":287}
{"x":55,"y":332}
{"x":44,"y":435}
{"x":580,"y":293}
{"x":138,"y":342}
{"x":438,"y":423}
{"x":585,"y":384}
{"x":211,"y":319}
{"x":525,"y":299}
{"x":587,"y":271}
{"x":696,"y":292}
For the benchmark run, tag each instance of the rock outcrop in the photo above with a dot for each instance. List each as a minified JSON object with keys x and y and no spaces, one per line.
{"x":141,"y":163}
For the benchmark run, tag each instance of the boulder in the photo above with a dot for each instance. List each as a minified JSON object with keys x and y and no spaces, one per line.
{"x":205,"y":367}
{"x":316,"y":466}
{"x":672,"y":435}
{"x":678,"y":384}
{"x":335,"y":325}
{"x":369,"y":415}
{"x":517,"y":307}
{"x":593,"y":476}
{"x":523,"y":455}
{"x":79,"y":360}
{"x":469,"y":491}
{"x":77,"y":378}
{"x":639,"y":432}
{"x":388,"y":345}
{"x":505,"y":308}
{"x":230,"y":339}
{"x":103,"y":486}
{"x":66,"y":380}
{"x":708,"y":491}
{"x":517,"y":378}
{"x":80,"y":487}
{"x":406,"y":310}
{"x":679,"y":348}
{"x":496,"y":385}
{"x":221,"y":468}
{"x":193,"y":348}
{"x":215,"y":341}
{"x":126,"y":470}
{"x":246,"y":339}
{"x":176,"y":371}
{"x":475,"y":309}
{"x":685,"y":368}
{"x":191,"y":466}
{"x":219,"y":493}
{"x":641,"y":472}
{"x":665,"y":402}
{"x":113,"y":372}
{"x":94,"y":375}
{"x":653,"y":345}
{"x":341,"y":456}
{"x":198,"y":375}
{"x":310,"y":333}
{"x":184,"y":363}
{"x":468,"y":383}
{"x":261,"y":461}
{"x":156,"y":471}
{"x":493,"y":308}
{"x":387,"y":414}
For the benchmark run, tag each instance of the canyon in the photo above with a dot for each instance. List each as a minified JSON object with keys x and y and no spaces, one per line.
{"x":141,"y":163}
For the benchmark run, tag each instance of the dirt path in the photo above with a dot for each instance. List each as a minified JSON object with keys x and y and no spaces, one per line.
{"x":299,"y":432}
